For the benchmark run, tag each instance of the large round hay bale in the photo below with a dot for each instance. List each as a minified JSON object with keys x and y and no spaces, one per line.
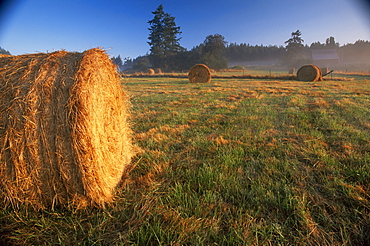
{"x":309,"y":73}
{"x":64,"y":135}
{"x":150,"y":71}
{"x":199,"y":73}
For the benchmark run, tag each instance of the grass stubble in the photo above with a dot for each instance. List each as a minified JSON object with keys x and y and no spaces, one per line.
{"x":232,"y":162}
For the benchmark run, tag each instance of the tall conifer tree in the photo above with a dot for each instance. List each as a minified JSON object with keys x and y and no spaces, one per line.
{"x":296,"y":53}
{"x":163,"y":40}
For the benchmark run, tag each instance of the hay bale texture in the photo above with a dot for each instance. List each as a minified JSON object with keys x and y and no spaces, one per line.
{"x":309,"y":73}
{"x":150,"y":71}
{"x":199,"y":73}
{"x":64,"y":135}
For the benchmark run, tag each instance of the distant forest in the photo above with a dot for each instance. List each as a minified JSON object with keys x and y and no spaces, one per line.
{"x":350,"y":55}
{"x":4,"y":52}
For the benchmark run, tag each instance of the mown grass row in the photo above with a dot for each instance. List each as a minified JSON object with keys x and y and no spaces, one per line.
{"x":233,"y":162}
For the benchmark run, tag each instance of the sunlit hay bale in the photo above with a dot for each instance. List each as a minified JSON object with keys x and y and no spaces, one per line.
{"x":309,"y":73}
{"x":199,"y":73}
{"x":150,"y":71}
{"x":158,"y":71}
{"x":64,"y":135}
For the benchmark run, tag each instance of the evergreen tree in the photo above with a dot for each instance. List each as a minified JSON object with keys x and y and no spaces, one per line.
{"x":163,"y":40}
{"x":296,"y":53}
{"x":141,"y":63}
{"x":330,"y":43}
{"x":295,"y":40}
{"x":3,"y":51}
{"x":359,"y":52}
{"x":317,"y":45}
{"x":128,"y":63}
{"x":246,"y":52}
{"x":117,"y":61}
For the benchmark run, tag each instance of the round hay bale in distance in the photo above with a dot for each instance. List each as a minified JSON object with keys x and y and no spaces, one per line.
{"x":199,"y":73}
{"x":64,"y":133}
{"x":309,"y":73}
{"x":158,"y":71}
{"x":150,"y":71}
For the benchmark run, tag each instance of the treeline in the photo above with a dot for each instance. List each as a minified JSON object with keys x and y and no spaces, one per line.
{"x":247,"y":52}
{"x":4,"y":52}
{"x":358,"y":52}
{"x":167,"y":54}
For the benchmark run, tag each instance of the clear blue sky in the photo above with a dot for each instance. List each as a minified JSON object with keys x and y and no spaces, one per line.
{"x":121,"y":26}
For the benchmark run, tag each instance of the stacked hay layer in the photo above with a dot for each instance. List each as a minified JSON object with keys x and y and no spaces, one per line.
{"x":64,"y":135}
{"x":309,"y":73}
{"x":199,"y":73}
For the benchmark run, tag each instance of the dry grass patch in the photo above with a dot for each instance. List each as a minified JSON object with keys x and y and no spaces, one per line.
{"x":282,"y":168}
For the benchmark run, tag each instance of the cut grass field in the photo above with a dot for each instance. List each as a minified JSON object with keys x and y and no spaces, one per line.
{"x":231,"y":162}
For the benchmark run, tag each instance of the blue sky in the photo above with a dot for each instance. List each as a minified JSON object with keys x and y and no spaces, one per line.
{"x":121,"y":26}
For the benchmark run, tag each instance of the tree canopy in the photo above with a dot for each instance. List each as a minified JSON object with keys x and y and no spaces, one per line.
{"x":296,"y":53}
{"x":213,"y":53}
{"x":117,"y":61}
{"x":163,"y":39}
{"x":216,"y":53}
{"x":295,"y":40}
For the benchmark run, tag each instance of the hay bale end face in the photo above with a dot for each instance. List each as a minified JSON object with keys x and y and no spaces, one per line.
{"x":64,"y":135}
{"x":309,"y":73}
{"x":199,"y":73}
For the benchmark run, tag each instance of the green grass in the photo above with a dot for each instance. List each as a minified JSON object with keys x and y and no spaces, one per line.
{"x":232,"y":162}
